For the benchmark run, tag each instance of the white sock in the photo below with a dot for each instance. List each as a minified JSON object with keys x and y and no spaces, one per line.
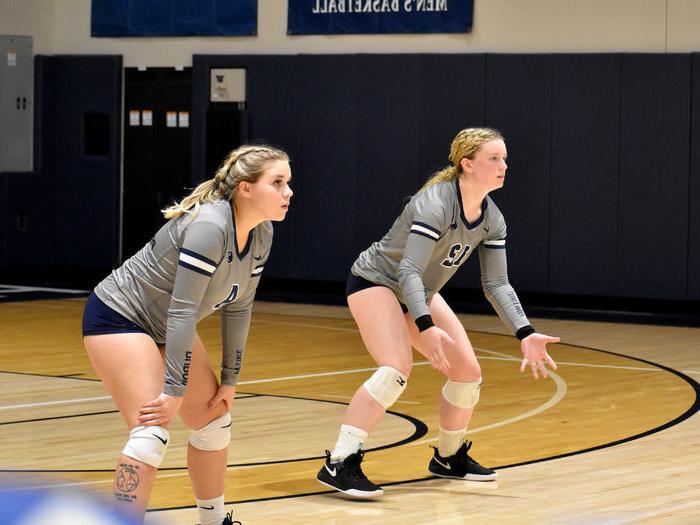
{"x":211,"y":511}
{"x":449,"y":441}
{"x":350,"y":440}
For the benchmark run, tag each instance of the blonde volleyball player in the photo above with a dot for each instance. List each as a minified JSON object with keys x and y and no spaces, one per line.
{"x":393,"y":295}
{"x":139,"y":324}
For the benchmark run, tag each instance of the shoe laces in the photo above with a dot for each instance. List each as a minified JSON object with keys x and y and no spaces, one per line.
{"x":352,"y":463}
{"x":228,"y":520}
{"x":464,"y":456}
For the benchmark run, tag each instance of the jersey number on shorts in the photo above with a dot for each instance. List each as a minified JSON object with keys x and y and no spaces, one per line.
{"x":231,"y":297}
{"x":457,"y":254}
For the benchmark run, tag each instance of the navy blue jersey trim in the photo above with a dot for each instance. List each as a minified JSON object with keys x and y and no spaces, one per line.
{"x":255,"y":274}
{"x":197,"y":256}
{"x":484,"y":205}
{"x":495,"y":247}
{"x":428,"y":226}
{"x":194,"y":268}
{"x":425,"y":235}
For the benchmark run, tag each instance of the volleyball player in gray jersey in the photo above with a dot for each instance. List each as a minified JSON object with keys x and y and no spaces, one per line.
{"x":393,"y":294}
{"x":139,"y":325}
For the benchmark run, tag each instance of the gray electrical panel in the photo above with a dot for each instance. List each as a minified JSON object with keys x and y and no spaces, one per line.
{"x":16,"y":103}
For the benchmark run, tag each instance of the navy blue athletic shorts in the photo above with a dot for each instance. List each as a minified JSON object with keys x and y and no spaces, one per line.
{"x":355,"y":284}
{"x":100,"y":319}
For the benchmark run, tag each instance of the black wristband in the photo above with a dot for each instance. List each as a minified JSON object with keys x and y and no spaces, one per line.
{"x":523,"y":332}
{"x":424,"y":322}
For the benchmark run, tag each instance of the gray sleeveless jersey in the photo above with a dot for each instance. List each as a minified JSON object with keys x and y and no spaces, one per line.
{"x":190,"y":269}
{"x":428,"y":243}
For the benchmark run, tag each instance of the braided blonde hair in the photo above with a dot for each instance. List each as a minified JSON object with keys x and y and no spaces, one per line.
{"x":246,"y":163}
{"x":465,"y":145}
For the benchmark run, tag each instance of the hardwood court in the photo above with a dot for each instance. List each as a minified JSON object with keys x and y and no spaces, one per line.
{"x":612,"y":437}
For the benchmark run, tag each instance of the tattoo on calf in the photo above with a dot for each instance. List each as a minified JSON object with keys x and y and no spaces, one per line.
{"x":127,"y":480}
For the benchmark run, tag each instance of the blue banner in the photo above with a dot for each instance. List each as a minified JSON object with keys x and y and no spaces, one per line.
{"x":174,"y":17}
{"x":323,"y":17}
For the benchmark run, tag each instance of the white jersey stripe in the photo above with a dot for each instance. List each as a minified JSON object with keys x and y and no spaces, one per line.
{"x":196,"y":262}
{"x":420,"y":229}
{"x":501,"y":242}
{"x":257,"y":270}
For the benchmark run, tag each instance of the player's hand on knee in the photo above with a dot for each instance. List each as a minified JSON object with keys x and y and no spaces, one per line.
{"x":160,"y":411}
{"x":534,"y":348}
{"x":433,"y":341}
{"x":225,"y":395}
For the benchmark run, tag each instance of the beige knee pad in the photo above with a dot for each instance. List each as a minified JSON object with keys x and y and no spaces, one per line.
{"x":386,"y":385}
{"x":462,"y":394}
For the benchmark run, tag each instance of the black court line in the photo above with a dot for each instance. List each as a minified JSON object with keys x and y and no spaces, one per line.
{"x":52,"y":376}
{"x":421,"y":429}
{"x":693,"y":409}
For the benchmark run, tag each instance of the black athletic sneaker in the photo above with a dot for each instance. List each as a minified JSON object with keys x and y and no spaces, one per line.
{"x":228,"y":520}
{"x":347,"y":477}
{"x":460,"y":466}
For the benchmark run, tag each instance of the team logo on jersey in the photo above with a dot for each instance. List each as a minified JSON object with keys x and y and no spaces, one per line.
{"x":229,"y":257}
{"x":456,"y":255}
{"x":231,"y":297}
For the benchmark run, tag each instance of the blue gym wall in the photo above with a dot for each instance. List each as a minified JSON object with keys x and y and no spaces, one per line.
{"x":600,"y":199}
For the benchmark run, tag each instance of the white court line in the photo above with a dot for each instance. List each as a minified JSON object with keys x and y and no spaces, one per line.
{"x":663,"y":510}
{"x":558,"y":396}
{"x":350,"y":397}
{"x":495,"y":356}
{"x":62,"y":402}
{"x":9,"y":288}
{"x":111,"y":480}
{"x":569,"y":363}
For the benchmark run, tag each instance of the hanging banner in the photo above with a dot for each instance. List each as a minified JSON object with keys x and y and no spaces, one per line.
{"x":324,"y":17}
{"x":112,"y":18}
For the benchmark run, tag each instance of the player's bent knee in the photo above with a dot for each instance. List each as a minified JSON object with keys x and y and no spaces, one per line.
{"x":216,"y":435}
{"x":386,"y":385}
{"x":147,"y":444}
{"x":462,"y":394}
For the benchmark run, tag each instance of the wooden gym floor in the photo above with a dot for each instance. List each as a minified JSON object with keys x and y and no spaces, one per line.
{"x":612,"y":437}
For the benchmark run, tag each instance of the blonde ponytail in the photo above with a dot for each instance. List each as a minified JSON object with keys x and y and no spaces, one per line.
{"x":246,"y":163}
{"x":464,"y":145}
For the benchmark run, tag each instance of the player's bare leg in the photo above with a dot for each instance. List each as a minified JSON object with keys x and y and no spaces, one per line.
{"x":462,"y":388}
{"x":207,"y":468}
{"x":131,"y":368}
{"x":380,"y":320}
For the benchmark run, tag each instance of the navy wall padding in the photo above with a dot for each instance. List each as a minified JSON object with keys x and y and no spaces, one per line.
{"x":4,"y":221}
{"x":85,"y":84}
{"x":73,"y":222}
{"x":387,"y":142}
{"x":596,"y":142}
{"x":584,"y":197}
{"x":324,"y":167}
{"x":654,"y":171}
{"x":271,"y":93}
{"x":694,"y":186}
{"x":452,"y":97}
{"x":519,"y":104}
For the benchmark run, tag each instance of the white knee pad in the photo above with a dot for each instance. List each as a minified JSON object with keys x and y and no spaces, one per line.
{"x":386,"y":385}
{"x":462,"y":395}
{"x":214,"y":436}
{"x":147,"y":444}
